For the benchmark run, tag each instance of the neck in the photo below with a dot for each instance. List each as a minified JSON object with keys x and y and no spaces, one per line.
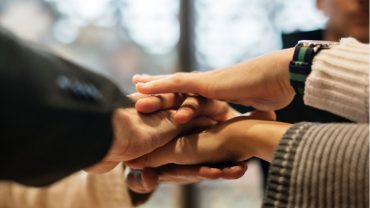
{"x":331,"y":34}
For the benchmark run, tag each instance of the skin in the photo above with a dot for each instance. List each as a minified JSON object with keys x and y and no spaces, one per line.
{"x":267,"y":82}
{"x":346,"y":18}
{"x":136,"y":134}
{"x":188,"y":107}
{"x":147,"y":180}
{"x":266,"y":79}
{"x":155,"y":123}
{"x":237,"y":139}
{"x":262,"y":82}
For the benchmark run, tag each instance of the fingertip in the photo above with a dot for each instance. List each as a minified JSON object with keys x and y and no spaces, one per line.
{"x":183,"y":116}
{"x":139,"y":107}
{"x":210,"y":173}
{"x":139,"y":86}
{"x":234,"y":172}
{"x":272,"y":115}
{"x":140,"y":78}
{"x":144,"y":107}
{"x":150,"y":179}
{"x":135,"y":78}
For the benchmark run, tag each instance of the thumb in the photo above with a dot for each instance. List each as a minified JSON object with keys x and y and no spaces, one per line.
{"x":142,"y":181}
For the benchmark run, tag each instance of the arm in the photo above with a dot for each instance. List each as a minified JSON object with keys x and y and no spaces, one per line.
{"x":338,"y":74}
{"x":262,"y":83}
{"x":321,"y":165}
{"x":341,"y":76}
{"x":237,"y":139}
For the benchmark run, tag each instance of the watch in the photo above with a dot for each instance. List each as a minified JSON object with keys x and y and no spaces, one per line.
{"x":300,"y":66}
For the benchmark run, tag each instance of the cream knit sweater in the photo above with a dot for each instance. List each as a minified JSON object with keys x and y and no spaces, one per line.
{"x":339,"y":81}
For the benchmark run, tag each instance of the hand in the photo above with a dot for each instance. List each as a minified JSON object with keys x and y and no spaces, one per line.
{"x":146,"y":180}
{"x":188,"y":107}
{"x":237,"y":139}
{"x":262,"y":83}
{"x":137,"y":134}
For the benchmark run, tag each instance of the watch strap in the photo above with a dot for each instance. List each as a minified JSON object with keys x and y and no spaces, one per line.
{"x":300,"y":66}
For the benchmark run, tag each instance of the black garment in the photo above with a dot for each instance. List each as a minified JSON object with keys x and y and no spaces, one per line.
{"x":291,"y":39}
{"x":55,"y":116}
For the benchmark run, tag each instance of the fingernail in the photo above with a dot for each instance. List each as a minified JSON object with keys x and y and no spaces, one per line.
{"x":142,"y":85}
{"x":136,"y":76}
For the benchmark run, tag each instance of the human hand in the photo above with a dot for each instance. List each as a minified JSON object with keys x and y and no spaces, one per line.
{"x":237,"y":139}
{"x":262,"y":82}
{"x":147,"y":180}
{"x":187,"y":107}
{"x":137,"y":134}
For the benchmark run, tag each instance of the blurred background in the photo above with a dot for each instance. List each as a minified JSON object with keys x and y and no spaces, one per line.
{"x":120,"y":38}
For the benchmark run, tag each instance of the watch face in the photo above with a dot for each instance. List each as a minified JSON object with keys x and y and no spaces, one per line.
{"x":319,"y":43}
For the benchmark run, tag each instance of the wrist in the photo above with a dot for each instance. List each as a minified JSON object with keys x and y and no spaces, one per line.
{"x":250,"y":137}
{"x":300,"y":65}
{"x":268,"y":136}
{"x":284,"y":58}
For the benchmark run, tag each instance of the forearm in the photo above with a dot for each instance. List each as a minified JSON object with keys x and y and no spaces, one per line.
{"x":255,"y":137}
{"x":272,"y":68}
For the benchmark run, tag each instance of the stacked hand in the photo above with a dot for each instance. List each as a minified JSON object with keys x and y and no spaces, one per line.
{"x":169,"y":129}
{"x":262,"y":83}
{"x":137,"y":134}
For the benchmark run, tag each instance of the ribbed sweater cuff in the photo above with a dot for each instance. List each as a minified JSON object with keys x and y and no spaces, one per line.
{"x":282,"y":165}
{"x":339,"y":81}
{"x":321,"y":165}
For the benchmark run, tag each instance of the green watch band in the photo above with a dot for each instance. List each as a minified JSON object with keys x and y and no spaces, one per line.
{"x":300,"y":66}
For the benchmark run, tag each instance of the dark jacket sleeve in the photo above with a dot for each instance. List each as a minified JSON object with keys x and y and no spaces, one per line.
{"x":55,"y":116}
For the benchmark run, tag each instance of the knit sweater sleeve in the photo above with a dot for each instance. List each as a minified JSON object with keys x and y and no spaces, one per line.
{"x":309,"y":171}
{"x":339,"y":81}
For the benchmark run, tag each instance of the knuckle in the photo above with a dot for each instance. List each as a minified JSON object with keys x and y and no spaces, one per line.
{"x":119,"y":115}
{"x":178,"y":78}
